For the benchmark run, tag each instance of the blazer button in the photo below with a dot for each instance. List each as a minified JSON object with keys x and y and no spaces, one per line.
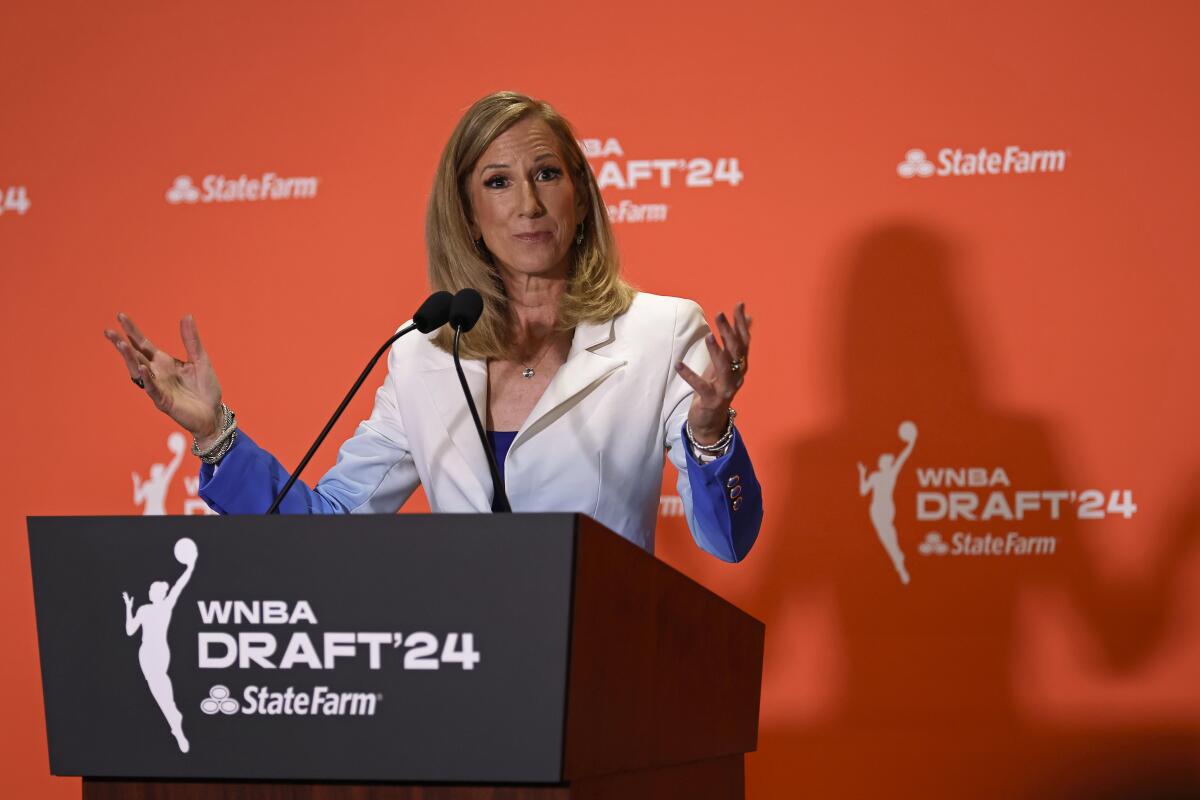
{"x":733,"y":481}
{"x":735,"y":492}
{"x":737,"y":503}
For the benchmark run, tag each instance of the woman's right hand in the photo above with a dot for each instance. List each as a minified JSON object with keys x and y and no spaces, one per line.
{"x":186,"y":391}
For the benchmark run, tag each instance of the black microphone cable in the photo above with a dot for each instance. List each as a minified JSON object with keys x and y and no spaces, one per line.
{"x":465,"y":311}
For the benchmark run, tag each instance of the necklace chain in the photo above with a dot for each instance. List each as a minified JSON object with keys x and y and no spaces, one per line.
{"x":528,"y":371}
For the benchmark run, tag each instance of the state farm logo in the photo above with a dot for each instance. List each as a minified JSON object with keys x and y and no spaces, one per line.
{"x":319,"y":701}
{"x":219,"y":700}
{"x":243,"y":189}
{"x":954,"y":161}
{"x":182,"y":191}
{"x":915,"y":163}
{"x":933,"y":545}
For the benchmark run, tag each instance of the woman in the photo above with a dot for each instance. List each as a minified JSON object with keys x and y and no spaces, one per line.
{"x":584,"y":380}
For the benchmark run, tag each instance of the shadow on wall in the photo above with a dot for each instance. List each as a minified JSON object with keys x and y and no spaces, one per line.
{"x":927,"y":704}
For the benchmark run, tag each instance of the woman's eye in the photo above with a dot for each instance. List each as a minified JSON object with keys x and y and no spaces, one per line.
{"x":495,"y":182}
{"x":549,"y":173}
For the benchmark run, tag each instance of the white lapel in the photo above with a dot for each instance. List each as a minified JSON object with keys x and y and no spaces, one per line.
{"x":441,"y":381}
{"x":582,"y":369}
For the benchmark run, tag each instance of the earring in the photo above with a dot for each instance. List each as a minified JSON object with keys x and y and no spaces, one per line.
{"x":579,"y":233}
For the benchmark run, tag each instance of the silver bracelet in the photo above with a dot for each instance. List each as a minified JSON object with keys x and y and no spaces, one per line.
{"x":719,"y":447}
{"x":215,"y":458}
{"x":220,"y":447}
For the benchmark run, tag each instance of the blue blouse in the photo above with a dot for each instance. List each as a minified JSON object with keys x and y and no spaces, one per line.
{"x":500,"y":442}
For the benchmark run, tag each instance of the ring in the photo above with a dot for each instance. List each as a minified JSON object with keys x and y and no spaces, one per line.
{"x":138,"y":382}
{"x":738,"y":364}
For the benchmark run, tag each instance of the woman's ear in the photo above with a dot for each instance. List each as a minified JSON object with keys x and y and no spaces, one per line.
{"x":582,"y":205}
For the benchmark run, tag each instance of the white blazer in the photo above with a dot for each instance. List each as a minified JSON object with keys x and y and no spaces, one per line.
{"x":593,"y":443}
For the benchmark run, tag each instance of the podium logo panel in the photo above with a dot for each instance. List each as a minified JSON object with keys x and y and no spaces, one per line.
{"x":387,"y":656}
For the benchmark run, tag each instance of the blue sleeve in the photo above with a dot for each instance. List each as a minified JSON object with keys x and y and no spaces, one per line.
{"x":726,"y":501}
{"x":248,"y":479}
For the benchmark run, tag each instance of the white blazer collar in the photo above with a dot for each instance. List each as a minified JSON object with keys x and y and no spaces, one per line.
{"x":582,"y":369}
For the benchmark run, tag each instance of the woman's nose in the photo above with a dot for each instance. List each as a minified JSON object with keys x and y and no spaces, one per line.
{"x":531,"y":203}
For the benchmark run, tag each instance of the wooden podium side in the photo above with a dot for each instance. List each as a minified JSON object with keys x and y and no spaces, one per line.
{"x":711,"y":779}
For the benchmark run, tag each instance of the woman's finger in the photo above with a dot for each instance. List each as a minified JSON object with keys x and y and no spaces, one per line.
{"x":742,"y":323}
{"x":152,"y":387}
{"x":734,"y":345}
{"x":131,"y":357}
{"x":720,"y":358}
{"x":725,"y":381}
{"x":191,"y":339}
{"x":138,"y":339}
{"x":126,"y":352}
{"x":703,"y":388}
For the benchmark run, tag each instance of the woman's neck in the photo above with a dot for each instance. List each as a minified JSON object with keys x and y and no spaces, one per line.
{"x":534,"y":302}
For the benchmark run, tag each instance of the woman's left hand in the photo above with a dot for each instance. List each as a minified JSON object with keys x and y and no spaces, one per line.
{"x":715,"y":389}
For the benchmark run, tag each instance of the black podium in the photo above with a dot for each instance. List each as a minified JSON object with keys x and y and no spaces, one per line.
{"x":411,"y":656}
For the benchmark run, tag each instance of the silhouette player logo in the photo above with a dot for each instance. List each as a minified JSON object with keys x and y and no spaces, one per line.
{"x":881,"y":485}
{"x":183,"y":191}
{"x":915,"y":164}
{"x":153,"y":619}
{"x":219,"y":700}
{"x":151,"y":493}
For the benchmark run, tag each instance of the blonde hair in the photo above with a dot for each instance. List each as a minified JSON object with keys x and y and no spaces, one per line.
{"x":595,"y":291}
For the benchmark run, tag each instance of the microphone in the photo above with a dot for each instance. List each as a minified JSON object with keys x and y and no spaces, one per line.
{"x":433,"y":314}
{"x":465,"y":311}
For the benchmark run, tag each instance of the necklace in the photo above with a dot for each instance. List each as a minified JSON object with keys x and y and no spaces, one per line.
{"x":528,"y":371}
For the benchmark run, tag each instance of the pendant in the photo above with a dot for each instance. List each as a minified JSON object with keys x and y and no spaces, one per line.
{"x":527,"y":373}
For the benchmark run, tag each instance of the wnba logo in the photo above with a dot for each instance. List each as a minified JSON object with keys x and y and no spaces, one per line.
{"x":153,"y":619}
{"x":880,"y":484}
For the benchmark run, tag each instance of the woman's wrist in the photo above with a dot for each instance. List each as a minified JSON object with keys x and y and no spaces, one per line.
{"x":714,"y":446}
{"x":213,"y":448}
{"x":206,"y":438}
{"x":707,"y":436}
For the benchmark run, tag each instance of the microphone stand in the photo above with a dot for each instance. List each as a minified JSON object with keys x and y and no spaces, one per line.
{"x":274,"y":509}
{"x":499,"y":497}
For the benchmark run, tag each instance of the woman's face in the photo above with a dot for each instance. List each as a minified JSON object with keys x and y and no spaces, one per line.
{"x":524,"y":203}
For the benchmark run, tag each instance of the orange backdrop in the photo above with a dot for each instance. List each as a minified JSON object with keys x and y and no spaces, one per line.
{"x":1029,"y":308}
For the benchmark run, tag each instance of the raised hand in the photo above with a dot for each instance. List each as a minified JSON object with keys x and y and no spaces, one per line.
{"x":715,"y":390}
{"x":128,"y":599}
{"x":186,"y":391}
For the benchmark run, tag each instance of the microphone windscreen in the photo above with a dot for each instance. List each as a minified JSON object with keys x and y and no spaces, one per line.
{"x":466,"y":309}
{"x":434,"y":312}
